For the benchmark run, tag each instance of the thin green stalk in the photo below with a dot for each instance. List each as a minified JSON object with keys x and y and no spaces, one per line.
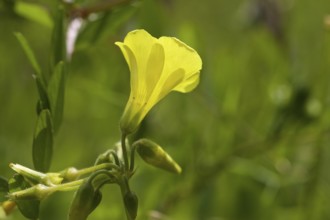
{"x":41,"y":191}
{"x":124,"y":149}
{"x":69,"y":186}
{"x":131,"y":168}
{"x":96,"y":168}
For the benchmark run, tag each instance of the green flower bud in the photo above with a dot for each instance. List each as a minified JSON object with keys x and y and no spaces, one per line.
{"x":131,"y":204}
{"x":86,"y":199}
{"x":154,"y":154}
{"x":70,"y":174}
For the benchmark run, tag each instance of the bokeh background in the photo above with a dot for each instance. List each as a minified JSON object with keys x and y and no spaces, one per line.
{"x":252,"y":139}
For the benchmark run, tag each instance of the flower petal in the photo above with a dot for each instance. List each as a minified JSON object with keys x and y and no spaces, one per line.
{"x":157,"y":66}
{"x":188,"y":84}
{"x":154,"y":67}
{"x":180,"y":55}
{"x":174,"y":79}
{"x":132,"y":64}
{"x":140,"y":42}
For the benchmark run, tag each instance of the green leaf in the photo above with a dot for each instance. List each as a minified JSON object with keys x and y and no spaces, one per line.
{"x":29,"y":53}
{"x":58,"y":38}
{"x":4,"y":189}
{"x":56,"y":90}
{"x":43,"y":102}
{"x":39,"y":78}
{"x":34,"y":12}
{"x":43,"y":142}
{"x":29,"y":208}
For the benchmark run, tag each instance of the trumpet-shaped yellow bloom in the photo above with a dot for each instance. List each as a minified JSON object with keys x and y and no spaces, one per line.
{"x":157,"y":66}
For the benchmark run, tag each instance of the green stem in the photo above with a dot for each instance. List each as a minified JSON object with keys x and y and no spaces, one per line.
{"x":124,"y":149}
{"x":41,"y":191}
{"x":131,"y":168}
{"x":96,"y":168}
{"x":115,"y":156}
{"x":69,"y":186}
{"x":111,"y":177}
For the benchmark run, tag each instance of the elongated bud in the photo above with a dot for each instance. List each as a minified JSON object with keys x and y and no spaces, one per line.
{"x":131,"y":204}
{"x":86,"y":199}
{"x":154,"y":154}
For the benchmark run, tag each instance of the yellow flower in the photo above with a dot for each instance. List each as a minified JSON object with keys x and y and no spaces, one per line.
{"x":157,"y":66}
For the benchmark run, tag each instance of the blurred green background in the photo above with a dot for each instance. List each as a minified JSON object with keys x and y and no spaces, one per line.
{"x":253,"y":138}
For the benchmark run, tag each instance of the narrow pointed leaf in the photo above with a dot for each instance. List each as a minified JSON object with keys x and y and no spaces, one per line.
{"x":29,"y":53}
{"x":34,"y":12}
{"x":39,"y":78}
{"x":56,"y":89}
{"x":43,"y":102}
{"x":58,"y":38}
{"x":43,"y":142}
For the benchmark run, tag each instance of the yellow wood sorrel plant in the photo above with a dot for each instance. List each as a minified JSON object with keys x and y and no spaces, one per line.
{"x":157,"y":67}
